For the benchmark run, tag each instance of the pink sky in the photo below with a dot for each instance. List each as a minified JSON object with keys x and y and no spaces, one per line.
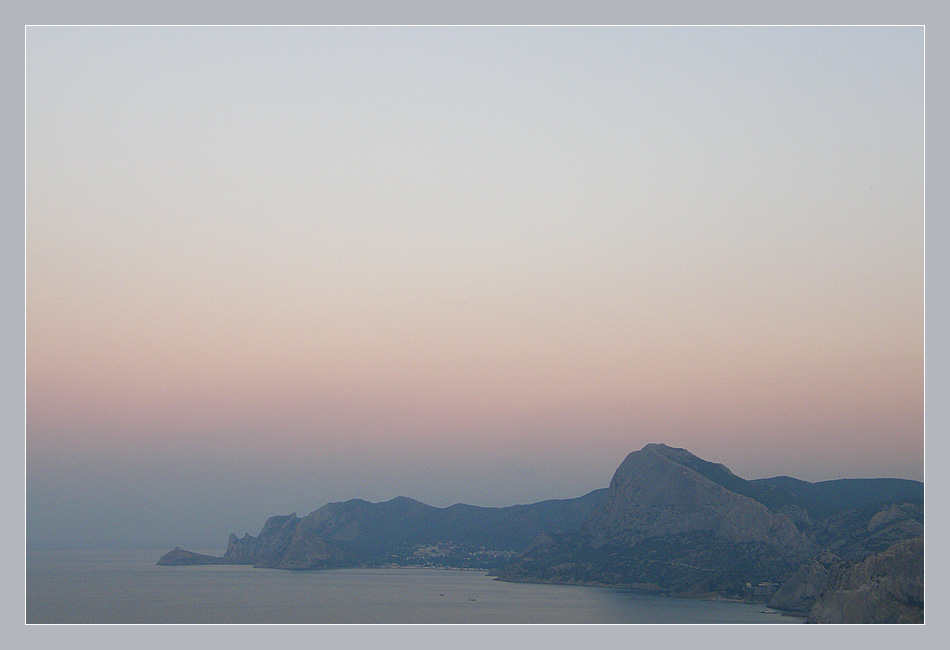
{"x":480,"y":268}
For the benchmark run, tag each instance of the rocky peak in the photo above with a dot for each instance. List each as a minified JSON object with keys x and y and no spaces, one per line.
{"x":661,"y":491}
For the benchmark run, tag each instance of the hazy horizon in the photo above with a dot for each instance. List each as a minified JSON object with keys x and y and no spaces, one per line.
{"x":271,"y":268}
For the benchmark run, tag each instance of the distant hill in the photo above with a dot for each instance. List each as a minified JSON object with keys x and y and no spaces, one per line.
{"x":828,"y":497}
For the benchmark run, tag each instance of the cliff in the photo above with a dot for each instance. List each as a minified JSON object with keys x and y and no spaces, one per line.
{"x":803,"y":588}
{"x":886,"y":587}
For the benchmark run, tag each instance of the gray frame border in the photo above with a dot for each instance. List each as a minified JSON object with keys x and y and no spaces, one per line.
{"x":739,"y":12}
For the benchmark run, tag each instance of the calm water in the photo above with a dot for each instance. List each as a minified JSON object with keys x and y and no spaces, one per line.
{"x":127,"y":587}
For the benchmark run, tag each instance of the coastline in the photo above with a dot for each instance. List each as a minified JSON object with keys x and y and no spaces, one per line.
{"x":654,"y":590}
{"x":179,"y":557}
{"x":126,"y":588}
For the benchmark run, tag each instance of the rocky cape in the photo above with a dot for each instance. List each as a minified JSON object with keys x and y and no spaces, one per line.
{"x":670,"y":522}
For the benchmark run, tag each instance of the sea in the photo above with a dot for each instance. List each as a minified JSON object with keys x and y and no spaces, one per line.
{"x":127,"y":587}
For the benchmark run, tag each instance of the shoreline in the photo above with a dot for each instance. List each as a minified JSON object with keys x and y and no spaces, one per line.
{"x":641,"y":589}
{"x":656,"y":591}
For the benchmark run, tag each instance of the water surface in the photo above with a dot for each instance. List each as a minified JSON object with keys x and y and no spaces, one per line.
{"x":127,"y":587}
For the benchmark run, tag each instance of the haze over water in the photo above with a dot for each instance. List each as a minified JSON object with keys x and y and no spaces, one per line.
{"x":121,"y":587}
{"x":268,"y":268}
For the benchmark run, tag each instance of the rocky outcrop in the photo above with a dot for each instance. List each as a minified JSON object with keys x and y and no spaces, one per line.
{"x":887,"y":587}
{"x":178,"y":557}
{"x":266,"y":549}
{"x":801,"y":591}
{"x":661,"y":492}
{"x":309,"y":552}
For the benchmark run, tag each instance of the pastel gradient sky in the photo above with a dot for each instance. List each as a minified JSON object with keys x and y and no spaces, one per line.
{"x":268,"y":268}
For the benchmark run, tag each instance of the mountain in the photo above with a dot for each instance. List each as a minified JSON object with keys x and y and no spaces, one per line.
{"x":674,"y":523}
{"x":400,"y":531}
{"x":663,"y":491}
{"x":669,"y":522}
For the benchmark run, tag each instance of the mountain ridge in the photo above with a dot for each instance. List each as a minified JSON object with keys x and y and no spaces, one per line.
{"x":669,"y":522}
{"x":359,"y":532}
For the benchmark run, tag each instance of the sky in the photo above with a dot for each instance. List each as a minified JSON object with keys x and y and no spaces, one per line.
{"x":270,"y":268}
